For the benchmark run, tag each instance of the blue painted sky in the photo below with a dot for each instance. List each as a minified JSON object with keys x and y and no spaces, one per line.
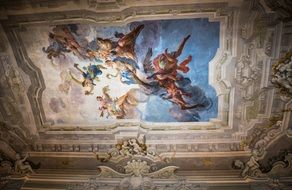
{"x":162,"y":34}
{"x":202,"y":45}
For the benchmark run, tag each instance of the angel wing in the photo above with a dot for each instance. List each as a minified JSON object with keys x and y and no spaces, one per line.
{"x":147,"y":63}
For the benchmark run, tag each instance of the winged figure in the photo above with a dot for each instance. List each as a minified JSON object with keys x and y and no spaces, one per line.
{"x":165,"y":65}
{"x":124,"y":47}
{"x":89,"y":74}
{"x":113,"y":107}
{"x":164,"y":69}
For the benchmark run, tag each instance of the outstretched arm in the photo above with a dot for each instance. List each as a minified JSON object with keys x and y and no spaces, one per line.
{"x":26,"y":156}
{"x":80,"y":70}
{"x":181,"y":46}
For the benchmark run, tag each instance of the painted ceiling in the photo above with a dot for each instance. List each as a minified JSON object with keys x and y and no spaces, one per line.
{"x":100,"y":73}
{"x":156,"y":95}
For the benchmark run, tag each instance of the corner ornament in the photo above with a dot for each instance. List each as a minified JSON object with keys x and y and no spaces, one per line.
{"x":252,"y":168}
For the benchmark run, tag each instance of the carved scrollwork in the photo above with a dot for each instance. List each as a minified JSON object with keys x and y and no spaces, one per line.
{"x":261,"y":136}
{"x":261,"y":145}
{"x":252,"y":167}
{"x":249,"y":168}
{"x":246,"y":73}
{"x":183,"y":184}
{"x":137,"y":174}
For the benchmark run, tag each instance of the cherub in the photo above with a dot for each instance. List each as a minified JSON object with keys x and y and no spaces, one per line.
{"x":113,"y":107}
{"x":105,"y":46}
{"x":21,"y":166}
{"x":89,"y":74}
{"x":251,"y":165}
{"x":136,"y":149}
{"x":125,"y":148}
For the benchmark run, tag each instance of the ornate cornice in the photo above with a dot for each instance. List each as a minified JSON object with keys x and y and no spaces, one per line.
{"x":248,"y":102}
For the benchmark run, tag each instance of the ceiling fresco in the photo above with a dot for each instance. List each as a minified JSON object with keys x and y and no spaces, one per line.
{"x":148,"y":71}
{"x":145,"y":95}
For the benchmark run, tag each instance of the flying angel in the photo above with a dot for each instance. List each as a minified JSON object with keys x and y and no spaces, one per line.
{"x":89,"y":74}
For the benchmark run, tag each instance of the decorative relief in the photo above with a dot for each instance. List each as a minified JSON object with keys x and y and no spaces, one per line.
{"x":268,"y":46}
{"x":131,"y":148}
{"x":261,"y":136}
{"x":12,"y":136}
{"x":252,"y":167}
{"x":282,"y":74}
{"x":213,"y":13}
{"x":282,"y":8}
{"x":16,"y":116}
{"x":249,"y":168}
{"x":182,"y":184}
{"x":258,"y":33}
{"x":137,"y":174}
{"x":219,"y":67}
{"x":6,"y":166}
{"x":135,"y":147}
{"x":22,"y":5}
{"x":21,"y":166}
{"x":102,"y":3}
{"x":91,"y":184}
{"x":258,"y":141}
{"x":246,"y":72}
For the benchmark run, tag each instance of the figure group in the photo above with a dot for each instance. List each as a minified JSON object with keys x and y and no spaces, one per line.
{"x":159,"y":74}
